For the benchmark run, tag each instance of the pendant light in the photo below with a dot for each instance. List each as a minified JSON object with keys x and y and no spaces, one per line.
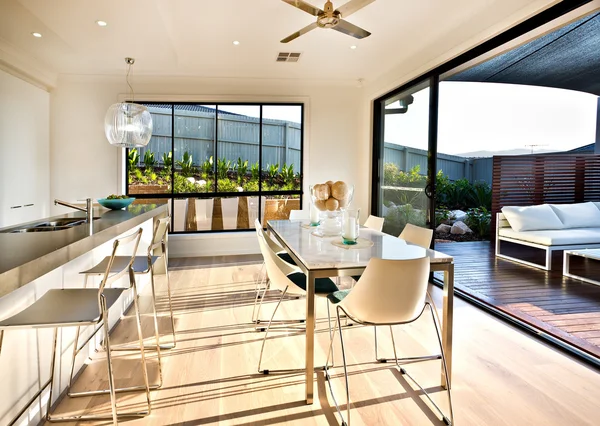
{"x":127,"y":124}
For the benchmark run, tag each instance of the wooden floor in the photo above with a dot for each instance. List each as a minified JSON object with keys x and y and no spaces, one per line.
{"x":565,"y":308}
{"x":501,"y":376}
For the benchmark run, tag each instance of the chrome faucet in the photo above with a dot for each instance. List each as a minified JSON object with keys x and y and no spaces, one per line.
{"x":88,"y":208}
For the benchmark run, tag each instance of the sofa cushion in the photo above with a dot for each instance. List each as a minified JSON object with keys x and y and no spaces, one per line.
{"x":532,"y":218}
{"x":563,"y":237}
{"x":580,"y":215}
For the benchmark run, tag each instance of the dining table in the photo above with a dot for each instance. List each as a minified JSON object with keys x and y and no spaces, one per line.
{"x":322,"y":257}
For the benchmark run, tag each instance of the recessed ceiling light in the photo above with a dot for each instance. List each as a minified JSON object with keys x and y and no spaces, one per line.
{"x":101,"y":23}
{"x":38,"y":35}
{"x":236,"y":42}
{"x":353,"y":47}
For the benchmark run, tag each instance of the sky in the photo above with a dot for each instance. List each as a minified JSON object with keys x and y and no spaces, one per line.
{"x":495,"y":116}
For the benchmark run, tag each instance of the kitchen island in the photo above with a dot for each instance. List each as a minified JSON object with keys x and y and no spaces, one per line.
{"x":32,"y":263}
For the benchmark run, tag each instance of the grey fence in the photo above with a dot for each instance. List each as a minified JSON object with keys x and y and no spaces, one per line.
{"x":238,"y":138}
{"x":455,"y":167}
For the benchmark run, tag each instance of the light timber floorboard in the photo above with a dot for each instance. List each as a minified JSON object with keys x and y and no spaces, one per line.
{"x":501,"y":376}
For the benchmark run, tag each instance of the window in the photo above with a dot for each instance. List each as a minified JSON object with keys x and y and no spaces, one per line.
{"x":220,"y":166}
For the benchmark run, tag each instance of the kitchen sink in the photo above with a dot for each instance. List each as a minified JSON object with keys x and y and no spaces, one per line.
{"x":52,"y":225}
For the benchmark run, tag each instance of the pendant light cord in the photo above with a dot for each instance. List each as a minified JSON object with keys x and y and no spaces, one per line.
{"x":129,"y":84}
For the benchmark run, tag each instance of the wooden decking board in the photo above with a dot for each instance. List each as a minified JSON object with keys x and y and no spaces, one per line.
{"x":565,"y":308}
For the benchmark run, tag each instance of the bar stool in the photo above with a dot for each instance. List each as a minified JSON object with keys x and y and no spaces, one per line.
{"x":85,"y":307}
{"x":141,"y":265}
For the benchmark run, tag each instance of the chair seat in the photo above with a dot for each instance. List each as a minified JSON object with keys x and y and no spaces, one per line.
{"x":337,"y":296}
{"x":69,"y":307}
{"x":287,"y":258}
{"x":140,"y":265}
{"x":322,"y":285}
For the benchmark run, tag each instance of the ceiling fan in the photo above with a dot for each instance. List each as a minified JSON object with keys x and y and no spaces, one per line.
{"x":330,"y":18}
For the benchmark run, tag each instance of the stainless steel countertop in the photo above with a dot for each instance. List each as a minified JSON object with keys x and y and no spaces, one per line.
{"x":25,"y":257}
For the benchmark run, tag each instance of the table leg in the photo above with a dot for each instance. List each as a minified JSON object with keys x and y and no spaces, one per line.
{"x":310,"y":336}
{"x":447,"y":315}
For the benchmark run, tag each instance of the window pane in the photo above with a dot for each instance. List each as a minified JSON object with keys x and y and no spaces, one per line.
{"x":149,"y":166}
{"x":214,"y":214}
{"x":238,"y":148}
{"x":281,"y":151}
{"x":405,"y":160}
{"x":194,"y":148}
{"x":278,"y":207}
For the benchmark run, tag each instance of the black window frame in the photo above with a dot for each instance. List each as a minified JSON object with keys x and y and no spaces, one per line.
{"x":172,"y":196}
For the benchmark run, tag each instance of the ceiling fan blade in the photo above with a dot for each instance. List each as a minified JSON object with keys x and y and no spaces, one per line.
{"x":308,"y":8}
{"x":351,"y":29}
{"x":299,"y":33}
{"x":353,"y":6}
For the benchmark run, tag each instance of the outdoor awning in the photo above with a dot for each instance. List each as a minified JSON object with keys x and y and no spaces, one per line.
{"x":568,"y":58}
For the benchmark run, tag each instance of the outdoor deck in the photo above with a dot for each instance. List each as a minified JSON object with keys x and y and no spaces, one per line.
{"x":564,"y":308}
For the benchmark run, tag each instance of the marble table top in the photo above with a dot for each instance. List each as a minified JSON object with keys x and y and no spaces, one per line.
{"x":319,"y":253}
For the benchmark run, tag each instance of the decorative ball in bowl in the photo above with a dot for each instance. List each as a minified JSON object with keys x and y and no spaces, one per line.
{"x":331,"y":199}
{"x":116,"y":202}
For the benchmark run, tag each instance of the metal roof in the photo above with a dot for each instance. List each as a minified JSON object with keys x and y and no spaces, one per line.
{"x":568,"y":58}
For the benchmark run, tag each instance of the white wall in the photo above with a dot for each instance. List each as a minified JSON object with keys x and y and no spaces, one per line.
{"x":83,"y":164}
{"x":24,"y":150}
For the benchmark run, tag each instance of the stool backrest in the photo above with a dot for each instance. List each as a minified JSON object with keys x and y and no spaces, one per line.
{"x":108,"y":279}
{"x":417,"y":235}
{"x":161,"y":229}
{"x":374,"y":222}
{"x":299,"y":215}
{"x":389,"y":291}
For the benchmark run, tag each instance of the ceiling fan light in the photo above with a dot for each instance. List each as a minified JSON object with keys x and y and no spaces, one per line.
{"x":128,"y":125}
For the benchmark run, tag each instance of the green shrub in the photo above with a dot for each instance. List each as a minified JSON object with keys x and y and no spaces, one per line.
{"x":223,"y":166}
{"x":287,"y":174}
{"x":272,"y":171}
{"x":255,"y":171}
{"x":226,"y":185}
{"x":167,"y":160}
{"x":149,"y":160}
{"x":186,"y":164}
{"x":242,"y":168}
{"x":133,"y":158}
{"x":479,"y":219}
{"x":442,"y":214}
{"x":251,"y":186}
{"x":397,"y":218}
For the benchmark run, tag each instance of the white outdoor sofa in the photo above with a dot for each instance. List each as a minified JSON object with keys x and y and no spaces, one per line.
{"x":549,"y":227}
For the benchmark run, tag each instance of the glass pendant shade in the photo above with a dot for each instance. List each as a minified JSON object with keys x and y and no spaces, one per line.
{"x":128,"y":125}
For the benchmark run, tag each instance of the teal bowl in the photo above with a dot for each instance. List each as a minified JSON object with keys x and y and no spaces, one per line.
{"x":115,"y":204}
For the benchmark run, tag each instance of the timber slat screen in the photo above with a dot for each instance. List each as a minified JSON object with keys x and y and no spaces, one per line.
{"x":525,"y":180}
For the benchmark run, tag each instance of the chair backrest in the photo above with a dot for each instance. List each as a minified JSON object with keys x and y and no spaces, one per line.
{"x":299,"y":215}
{"x":417,"y":235}
{"x":277,"y":269}
{"x":374,"y":222}
{"x":161,"y":229}
{"x":389,"y":291}
{"x":276,"y":248}
{"x":109,"y":278}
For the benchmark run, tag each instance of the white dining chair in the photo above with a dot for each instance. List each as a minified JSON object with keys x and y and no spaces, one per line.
{"x":290,"y":281}
{"x":374,"y":222}
{"x":262,"y":275}
{"x":299,"y":215}
{"x":417,"y":235}
{"x":389,"y":292}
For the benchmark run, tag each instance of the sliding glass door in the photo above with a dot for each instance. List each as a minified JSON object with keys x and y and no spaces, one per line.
{"x":405,"y":163}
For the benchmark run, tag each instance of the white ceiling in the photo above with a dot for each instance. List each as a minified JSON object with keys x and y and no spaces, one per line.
{"x":194,"y":37}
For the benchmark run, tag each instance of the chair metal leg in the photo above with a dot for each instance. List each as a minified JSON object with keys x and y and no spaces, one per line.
{"x":403,"y":371}
{"x":258,"y":320}
{"x":267,"y":332}
{"x":170,"y":301}
{"x":409,"y":358}
{"x":345,"y":369}
{"x":258,"y":283}
{"x":328,"y":377}
{"x":111,"y":377}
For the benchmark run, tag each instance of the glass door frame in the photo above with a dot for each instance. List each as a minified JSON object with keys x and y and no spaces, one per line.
{"x":433,"y":77}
